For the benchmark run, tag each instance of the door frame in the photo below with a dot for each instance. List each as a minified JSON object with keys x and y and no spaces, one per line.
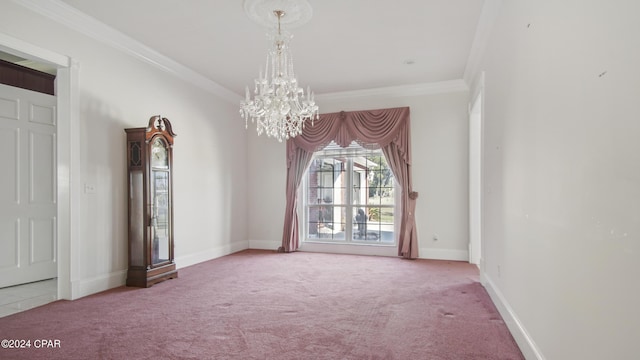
{"x":67,"y":151}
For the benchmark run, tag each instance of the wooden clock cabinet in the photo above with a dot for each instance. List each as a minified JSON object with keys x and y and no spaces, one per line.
{"x":149,"y":173}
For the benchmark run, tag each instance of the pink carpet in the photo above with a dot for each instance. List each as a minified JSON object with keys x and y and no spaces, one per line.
{"x":264,"y":305}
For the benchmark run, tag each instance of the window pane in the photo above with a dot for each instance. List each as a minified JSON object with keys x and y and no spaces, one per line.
{"x":374,"y":224}
{"x":386,"y":196}
{"x":326,"y":222}
{"x":327,"y":181}
{"x":361,"y":224}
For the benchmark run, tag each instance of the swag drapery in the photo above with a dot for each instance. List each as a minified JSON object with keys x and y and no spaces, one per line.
{"x":388,"y":129}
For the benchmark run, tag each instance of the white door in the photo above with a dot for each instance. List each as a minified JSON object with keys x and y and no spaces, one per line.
{"x":27,"y":186}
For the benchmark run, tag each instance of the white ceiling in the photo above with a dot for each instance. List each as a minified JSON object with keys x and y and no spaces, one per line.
{"x":347,"y":45}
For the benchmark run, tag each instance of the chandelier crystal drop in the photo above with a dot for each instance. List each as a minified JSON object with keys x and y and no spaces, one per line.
{"x":280,"y":107}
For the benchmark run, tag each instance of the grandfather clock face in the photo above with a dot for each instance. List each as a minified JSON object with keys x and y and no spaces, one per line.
{"x":159,"y":156}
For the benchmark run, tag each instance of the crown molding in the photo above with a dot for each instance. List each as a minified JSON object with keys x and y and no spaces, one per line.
{"x":76,"y":20}
{"x":399,"y":91}
{"x":488,"y":16}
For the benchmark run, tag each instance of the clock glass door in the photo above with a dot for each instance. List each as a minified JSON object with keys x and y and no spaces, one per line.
{"x":160,"y":221}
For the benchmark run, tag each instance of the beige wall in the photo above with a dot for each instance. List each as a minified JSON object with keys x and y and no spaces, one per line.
{"x":562,"y":177}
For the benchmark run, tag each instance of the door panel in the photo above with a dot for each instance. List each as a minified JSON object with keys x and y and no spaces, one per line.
{"x":42,"y":148}
{"x":10,"y":233}
{"x":9,"y":153}
{"x":9,"y":108}
{"x":27,"y":186}
{"x":42,"y":241}
{"x":42,"y":114}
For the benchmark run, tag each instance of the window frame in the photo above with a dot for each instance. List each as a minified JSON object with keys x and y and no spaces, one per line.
{"x":349,"y":205}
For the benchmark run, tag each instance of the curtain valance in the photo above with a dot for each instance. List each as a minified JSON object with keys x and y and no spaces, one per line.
{"x":370,"y":128}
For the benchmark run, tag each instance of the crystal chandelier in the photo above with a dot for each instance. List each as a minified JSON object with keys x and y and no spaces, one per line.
{"x":279,"y":107}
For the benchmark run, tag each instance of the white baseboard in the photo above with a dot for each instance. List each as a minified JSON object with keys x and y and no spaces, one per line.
{"x":264,"y":244}
{"x":521,"y":336}
{"x":443,"y":254}
{"x":85,"y":287}
{"x":425,"y":253}
{"x":210,"y":254}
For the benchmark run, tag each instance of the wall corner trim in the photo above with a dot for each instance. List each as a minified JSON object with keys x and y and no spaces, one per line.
{"x":488,"y":16}
{"x":264,"y":244}
{"x":64,"y":14}
{"x":522,"y":337}
{"x":96,"y":284}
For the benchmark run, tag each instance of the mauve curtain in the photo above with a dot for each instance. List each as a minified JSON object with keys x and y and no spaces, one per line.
{"x":297,"y":161}
{"x":388,"y":129}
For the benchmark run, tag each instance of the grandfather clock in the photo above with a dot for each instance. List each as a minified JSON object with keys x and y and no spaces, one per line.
{"x":150,"y":167}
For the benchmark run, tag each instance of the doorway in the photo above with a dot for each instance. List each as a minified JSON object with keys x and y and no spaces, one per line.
{"x":67,"y":163}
